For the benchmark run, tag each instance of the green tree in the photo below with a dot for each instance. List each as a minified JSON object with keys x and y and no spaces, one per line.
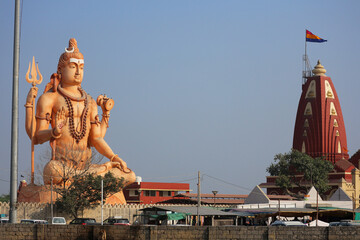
{"x":296,"y":170}
{"x":5,"y":198}
{"x":84,"y":192}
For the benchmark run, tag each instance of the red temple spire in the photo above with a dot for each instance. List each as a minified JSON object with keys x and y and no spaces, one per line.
{"x":319,"y":127}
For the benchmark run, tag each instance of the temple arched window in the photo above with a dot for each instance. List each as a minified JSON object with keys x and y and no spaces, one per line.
{"x":303,"y":148}
{"x":333,"y":109}
{"x":311,"y":92}
{"x":308,"y":109}
{"x":328,"y":90}
{"x":339,"y":147}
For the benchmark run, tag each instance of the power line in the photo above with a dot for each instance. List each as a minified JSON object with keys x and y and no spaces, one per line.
{"x":186,"y":180}
{"x":232,"y":184}
{"x":178,"y":176}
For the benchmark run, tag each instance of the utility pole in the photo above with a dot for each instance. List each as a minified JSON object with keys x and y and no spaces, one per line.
{"x":214,"y":192}
{"x":317,"y":208}
{"x":353,"y":205}
{"x":15,"y":116}
{"x":102,"y":201}
{"x":279,"y":209}
{"x":199,"y":202}
{"x":52,"y":205}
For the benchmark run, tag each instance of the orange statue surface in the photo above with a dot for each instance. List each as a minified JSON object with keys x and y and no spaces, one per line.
{"x":67,"y":117}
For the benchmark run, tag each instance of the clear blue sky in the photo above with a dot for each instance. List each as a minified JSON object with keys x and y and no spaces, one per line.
{"x":209,"y":86}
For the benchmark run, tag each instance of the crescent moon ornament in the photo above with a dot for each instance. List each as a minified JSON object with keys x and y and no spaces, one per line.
{"x":69,"y":51}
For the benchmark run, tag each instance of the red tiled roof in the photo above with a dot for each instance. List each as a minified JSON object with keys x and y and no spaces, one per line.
{"x":355,"y":158}
{"x":344,"y":165}
{"x":209,"y":198}
{"x":205,"y":201}
{"x":218,"y":196}
{"x":159,"y":186}
{"x":223,"y":201}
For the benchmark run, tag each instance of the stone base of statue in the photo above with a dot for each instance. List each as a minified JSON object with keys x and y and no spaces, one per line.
{"x":35,"y":193}
{"x":42,"y":194}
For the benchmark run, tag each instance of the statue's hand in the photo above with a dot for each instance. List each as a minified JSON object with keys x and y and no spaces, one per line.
{"x":60,"y":121}
{"x":105,"y":103}
{"x":122,"y":163}
{"x":31,"y":95}
{"x":109,"y":165}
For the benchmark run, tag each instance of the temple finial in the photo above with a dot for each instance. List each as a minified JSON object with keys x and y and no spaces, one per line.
{"x":319,"y":69}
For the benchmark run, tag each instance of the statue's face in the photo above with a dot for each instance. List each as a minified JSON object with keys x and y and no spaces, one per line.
{"x":72,"y":73}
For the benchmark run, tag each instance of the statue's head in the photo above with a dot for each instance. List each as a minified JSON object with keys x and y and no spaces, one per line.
{"x":70,"y":67}
{"x":71,"y":63}
{"x":71,"y":52}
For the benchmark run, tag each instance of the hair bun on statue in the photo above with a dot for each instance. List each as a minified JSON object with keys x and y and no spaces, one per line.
{"x":72,"y":46}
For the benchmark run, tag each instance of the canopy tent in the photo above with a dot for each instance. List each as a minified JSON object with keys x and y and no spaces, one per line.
{"x":170,"y":216}
{"x":320,"y":223}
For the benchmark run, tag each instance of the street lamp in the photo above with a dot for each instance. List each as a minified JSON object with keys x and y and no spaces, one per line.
{"x":214,"y":192}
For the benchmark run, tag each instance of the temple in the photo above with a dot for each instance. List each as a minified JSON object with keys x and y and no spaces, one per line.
{"x":320,"y":132}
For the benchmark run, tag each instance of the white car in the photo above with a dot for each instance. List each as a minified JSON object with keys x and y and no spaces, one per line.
{"x":288,"y":223}
{"x":58,"y":221}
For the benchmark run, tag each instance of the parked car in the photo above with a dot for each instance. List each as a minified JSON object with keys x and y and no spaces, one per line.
{"x":84,"y":221}
{"x":332,"y":224}
{"x":117,"y":221}
{"x":288,"y":223}
{"x":33,"y":221}
{"x":57,"y":221}
{"x":4,"y":220}
{"x":347,"y":222}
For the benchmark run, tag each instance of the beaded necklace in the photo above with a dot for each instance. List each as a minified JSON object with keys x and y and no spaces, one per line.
{"x":77,"y":135}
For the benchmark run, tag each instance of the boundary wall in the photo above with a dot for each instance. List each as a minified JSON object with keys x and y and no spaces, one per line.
{"x":79,"y":232}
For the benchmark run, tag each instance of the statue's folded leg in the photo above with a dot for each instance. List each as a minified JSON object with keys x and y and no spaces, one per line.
{"x":55,"y":170}
{"x":58,"y":170}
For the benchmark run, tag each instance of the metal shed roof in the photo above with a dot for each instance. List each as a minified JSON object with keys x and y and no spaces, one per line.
{"x":191,"y":210}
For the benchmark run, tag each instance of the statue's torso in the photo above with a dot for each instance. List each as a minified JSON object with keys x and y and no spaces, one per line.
{"x":67,"y":145}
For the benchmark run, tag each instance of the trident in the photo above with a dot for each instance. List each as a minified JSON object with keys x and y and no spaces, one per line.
{"x":34,"y":81}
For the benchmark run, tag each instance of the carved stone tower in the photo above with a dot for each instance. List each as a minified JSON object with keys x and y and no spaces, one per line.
{"x":319,"y":127}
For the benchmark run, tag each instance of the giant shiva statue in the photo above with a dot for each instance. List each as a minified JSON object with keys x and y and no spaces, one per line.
{"x":75,"y":126}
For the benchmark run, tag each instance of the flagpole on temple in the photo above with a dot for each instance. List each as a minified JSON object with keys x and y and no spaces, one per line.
{"x":309,"y":37}
{"x":307,"y":68}
{"x":305,"y":62}
{"x":305,"y":45}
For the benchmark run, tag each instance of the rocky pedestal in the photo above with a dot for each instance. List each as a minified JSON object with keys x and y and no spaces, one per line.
{"x":42,"y":194}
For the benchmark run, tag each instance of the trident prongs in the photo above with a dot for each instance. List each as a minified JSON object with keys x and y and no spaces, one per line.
{"x":34,"y":71}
